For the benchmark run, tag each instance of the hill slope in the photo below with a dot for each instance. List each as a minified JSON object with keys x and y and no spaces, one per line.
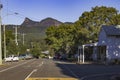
{"x":34,"y":28}
{"x":30,"y":26}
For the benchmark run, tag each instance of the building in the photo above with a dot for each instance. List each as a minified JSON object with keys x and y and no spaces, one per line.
{"x":108,"y":46}
{"x":109,"y":43}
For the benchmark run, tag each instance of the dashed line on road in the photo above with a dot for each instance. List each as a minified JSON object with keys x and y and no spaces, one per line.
{"x":35,"y":70}
{"x":14,"y":66}
{"x":40,"y":64}
{"x":30,"y":74}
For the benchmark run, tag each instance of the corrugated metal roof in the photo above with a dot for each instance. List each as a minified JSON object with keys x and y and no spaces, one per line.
{"x":111,"y":30}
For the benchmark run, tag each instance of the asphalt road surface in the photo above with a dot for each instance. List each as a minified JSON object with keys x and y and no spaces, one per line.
{"x":35,"y":68}
{"x":45,"y":69}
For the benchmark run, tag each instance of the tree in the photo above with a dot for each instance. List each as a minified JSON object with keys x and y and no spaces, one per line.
{"x":10,"y":44}
{"x":60,"y":38}
{"x":97,"y":17}
{"x":66,"y":38}
{"x":116,"y":19}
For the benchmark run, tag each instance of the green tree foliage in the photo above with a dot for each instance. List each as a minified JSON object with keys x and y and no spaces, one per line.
{"x":37,"y":46}
{"x":9,"y":36}
{"x":116,"y":19}
{"x":36,"y":49}
{"x":12,"y":48}
{"x":66,"y":38}
{"x":10,"y":43}
{"x":97,"y":17}
{"x":61,"y":38}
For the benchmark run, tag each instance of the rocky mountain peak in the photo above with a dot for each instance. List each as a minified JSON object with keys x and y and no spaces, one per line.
{"x":45,"y":22}
{"x":50,"y":22}
{"x":27,"y":20}
{"x":29,"y":23}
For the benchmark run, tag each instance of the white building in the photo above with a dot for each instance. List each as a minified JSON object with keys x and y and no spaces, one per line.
{"x":108,"y":46}
{"x":109,"y":42}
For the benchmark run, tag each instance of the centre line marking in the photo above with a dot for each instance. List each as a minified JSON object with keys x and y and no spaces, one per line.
{"x":30,"y":74}
{"x":35,"y":70}
{"x":40,"y":64}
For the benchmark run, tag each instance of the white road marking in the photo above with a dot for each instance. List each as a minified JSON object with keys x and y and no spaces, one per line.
{"x":14,"y":66}
{"x":30,"y":74}
{"x":40,"y":64}
{"x":35,"y":70}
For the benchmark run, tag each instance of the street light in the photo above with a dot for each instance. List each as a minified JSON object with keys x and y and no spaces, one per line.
{"x":1,"y":6}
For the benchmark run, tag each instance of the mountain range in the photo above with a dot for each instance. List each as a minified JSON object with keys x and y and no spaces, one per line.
{"x":35,"y":28}
{"x":45,"y":22}
{"x":30,"y":26}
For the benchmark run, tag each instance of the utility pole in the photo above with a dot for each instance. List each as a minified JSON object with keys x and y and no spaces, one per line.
{"x":1,"y":6}
{"x":4,"y":41}
{"x":16,"y":40}
{"x":23,"y":38}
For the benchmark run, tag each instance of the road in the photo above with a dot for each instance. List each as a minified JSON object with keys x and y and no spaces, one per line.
{"x":35,"y":68}
{"x":45,"y":69}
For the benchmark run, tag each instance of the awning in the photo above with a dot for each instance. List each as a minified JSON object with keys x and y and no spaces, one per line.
{"x":92,"y":44}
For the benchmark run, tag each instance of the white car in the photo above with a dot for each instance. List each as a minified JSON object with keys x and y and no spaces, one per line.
{"x":11,"y":58}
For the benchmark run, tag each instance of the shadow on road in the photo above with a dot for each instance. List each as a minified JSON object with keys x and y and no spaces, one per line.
{"x":87,"y":70}
{"x":65,"y":70}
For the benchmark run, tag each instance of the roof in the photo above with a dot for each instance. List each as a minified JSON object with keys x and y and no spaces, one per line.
{"x":112,"y":30}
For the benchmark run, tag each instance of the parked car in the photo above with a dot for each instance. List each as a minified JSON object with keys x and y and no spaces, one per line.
{"x":22,"y":56}
{"x":25,"y":56}
{"x":11,"y":58}
{"x":28,"y":56}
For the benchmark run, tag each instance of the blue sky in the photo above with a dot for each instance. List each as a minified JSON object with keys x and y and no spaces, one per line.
{"x":62,"y":10}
